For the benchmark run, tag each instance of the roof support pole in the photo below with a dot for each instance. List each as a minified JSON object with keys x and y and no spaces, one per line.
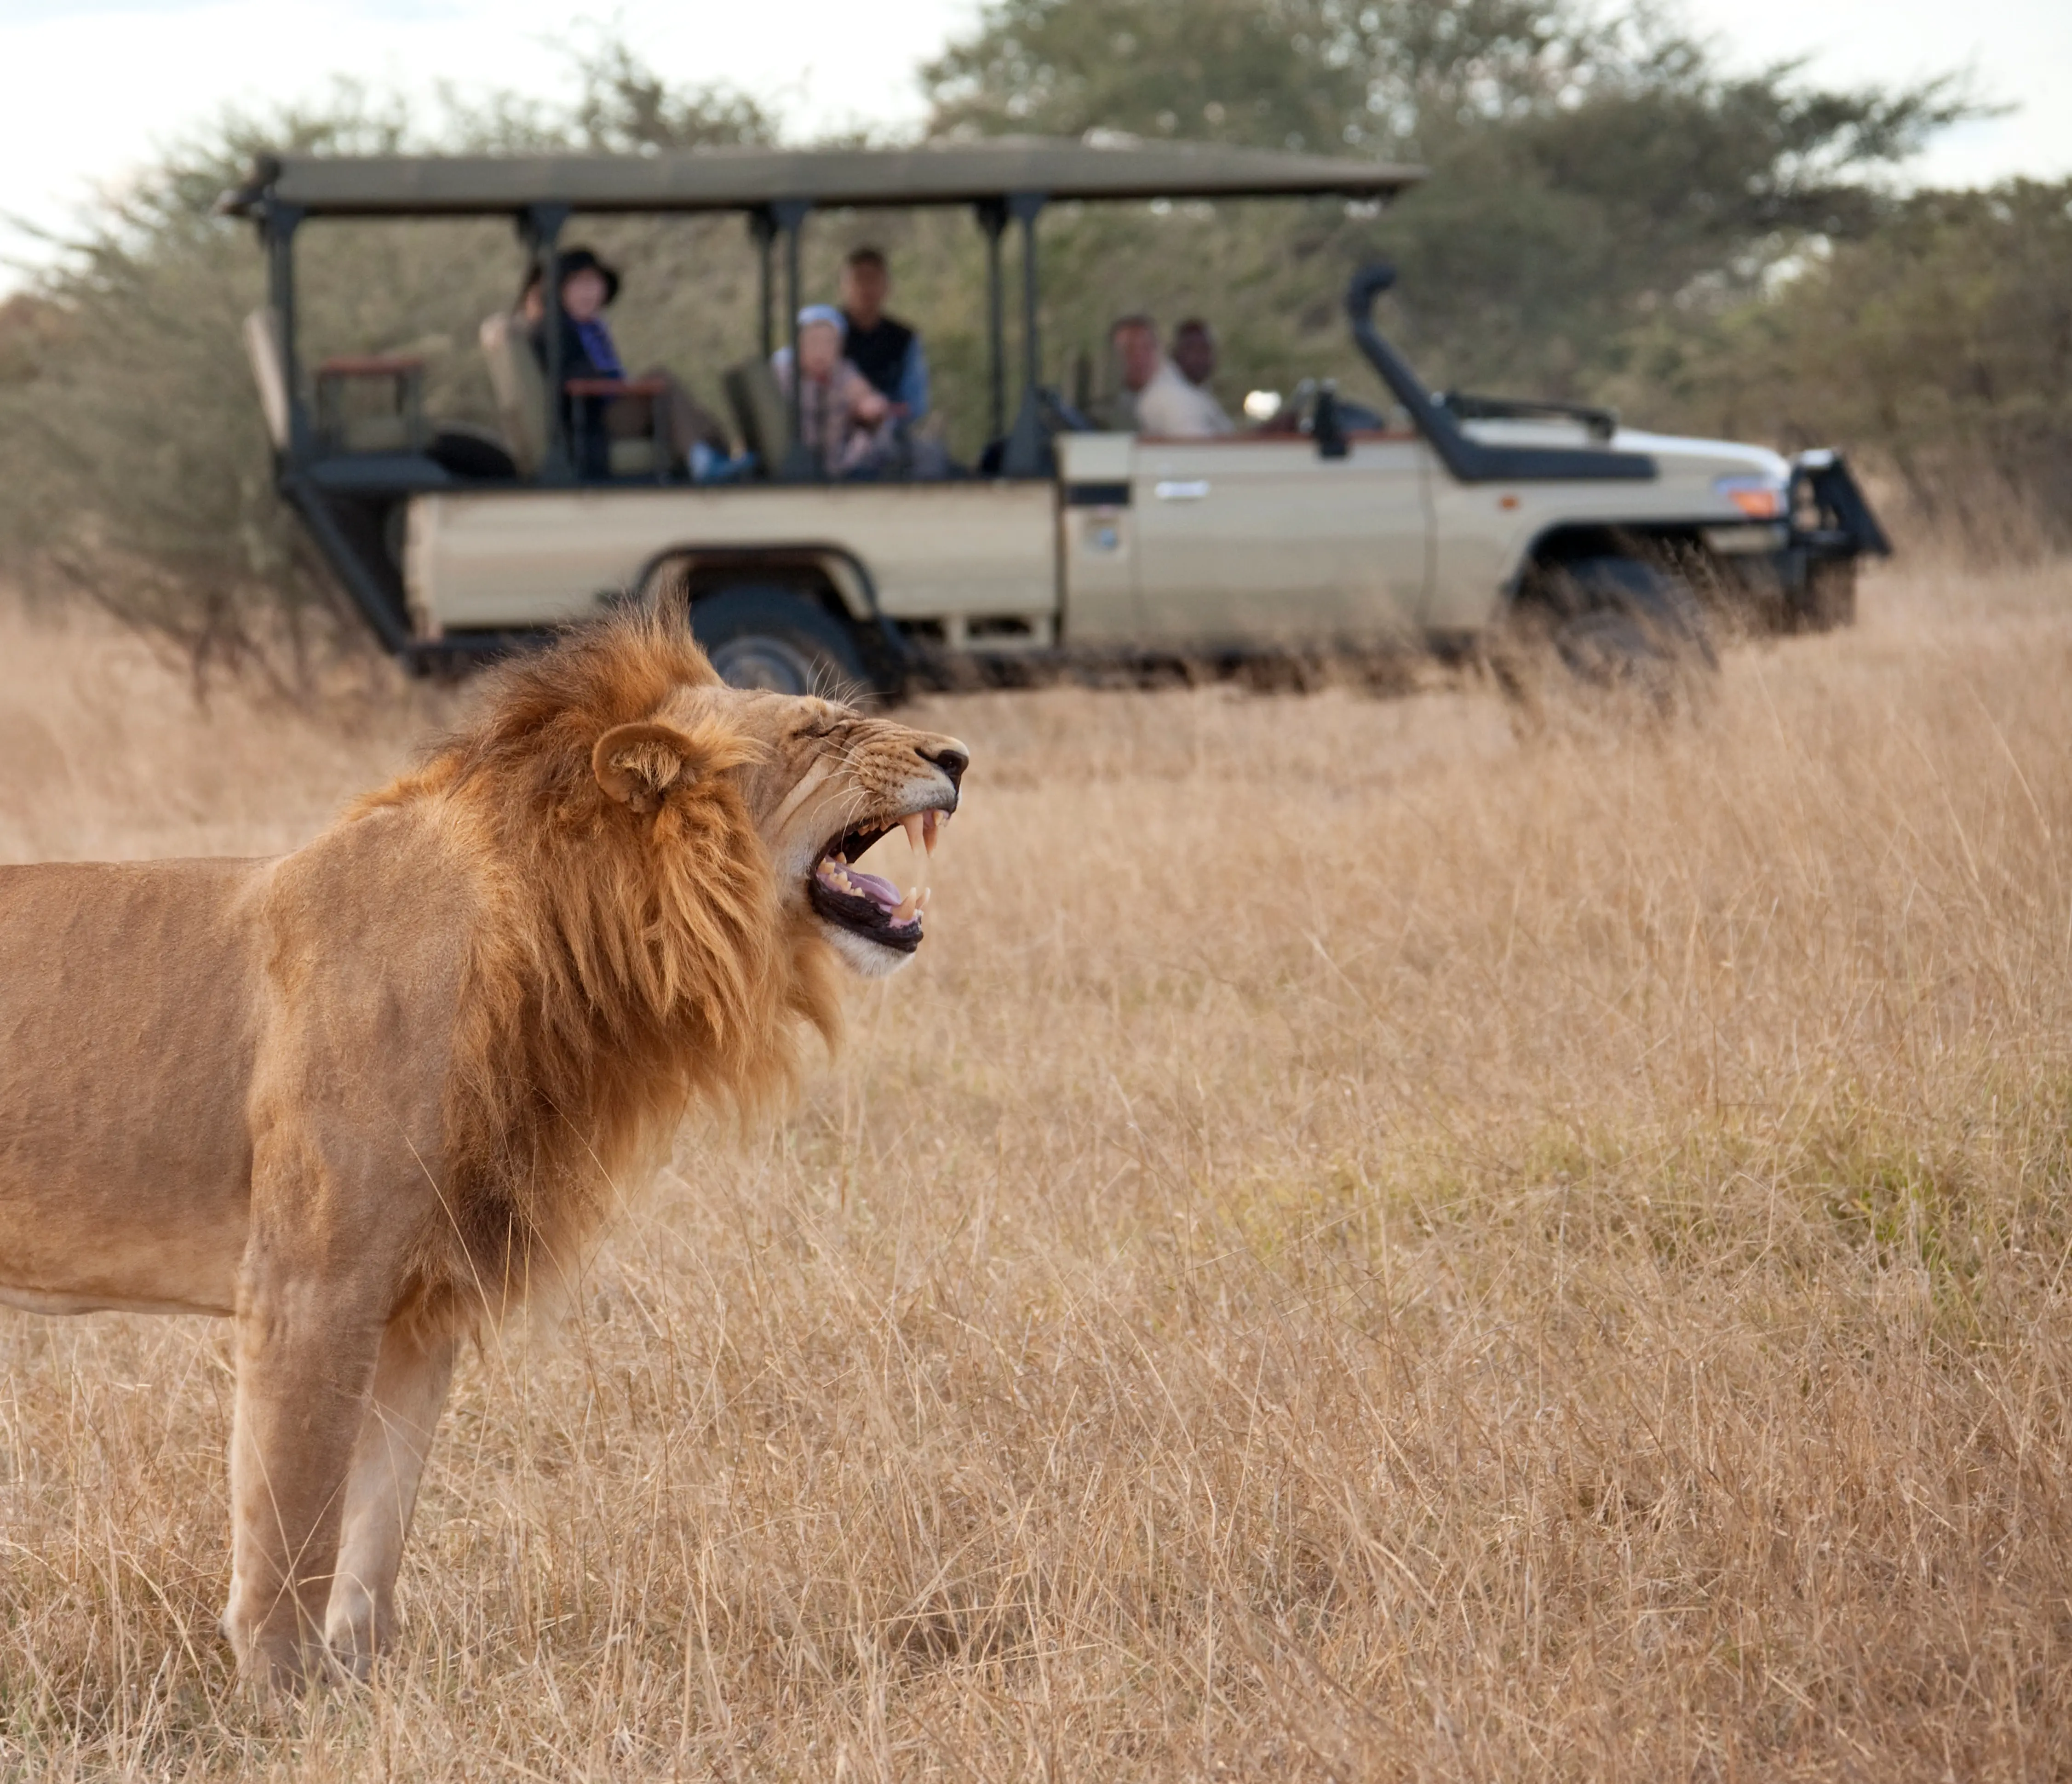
{"x":277,"y":223}
{"x":540,"y":225}
{"x":1027,"y":453}
{"x":789,"y":214}
{"x":762,"y":227}
{"x":1024,"y":207}
{"x":992,"y":214}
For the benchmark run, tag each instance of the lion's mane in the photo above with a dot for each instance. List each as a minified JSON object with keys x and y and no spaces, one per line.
{"x":624,"y":965}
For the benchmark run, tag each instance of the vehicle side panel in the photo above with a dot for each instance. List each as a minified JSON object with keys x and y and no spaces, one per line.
{"x":498,"y":558}
{"x":1097,"y":539}
{"x":1254,"y":541}
{"x":1480,"y":532}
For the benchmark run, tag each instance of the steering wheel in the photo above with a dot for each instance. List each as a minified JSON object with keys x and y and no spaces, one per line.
{"x":1057,"y":415}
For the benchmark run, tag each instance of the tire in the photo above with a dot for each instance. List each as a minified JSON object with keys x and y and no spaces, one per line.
{"x":1631,"y":622}
{"x":779,"y":639}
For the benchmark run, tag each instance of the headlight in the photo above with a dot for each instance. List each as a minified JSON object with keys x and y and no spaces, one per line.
{"x":1759,"y":498}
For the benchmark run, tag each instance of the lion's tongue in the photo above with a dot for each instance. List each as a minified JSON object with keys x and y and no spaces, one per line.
{"x":879,"y":891}
{"x":900,"y":908}
{"x":903,"y":861}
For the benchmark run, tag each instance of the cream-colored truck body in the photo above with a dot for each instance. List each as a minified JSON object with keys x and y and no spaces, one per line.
{"x":1328,"y":526}
{"x":1137,"y":544}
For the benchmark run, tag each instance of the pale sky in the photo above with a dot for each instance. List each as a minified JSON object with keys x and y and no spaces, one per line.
{"x":92,"y":86}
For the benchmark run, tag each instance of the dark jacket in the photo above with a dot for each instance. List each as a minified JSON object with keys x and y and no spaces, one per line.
{"x":889,"y":354}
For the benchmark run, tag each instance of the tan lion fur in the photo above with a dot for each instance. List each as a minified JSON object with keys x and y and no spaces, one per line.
{"x":365,"y":1096}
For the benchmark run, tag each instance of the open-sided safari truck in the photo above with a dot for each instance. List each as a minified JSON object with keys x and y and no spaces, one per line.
{"x":1334,"y":524}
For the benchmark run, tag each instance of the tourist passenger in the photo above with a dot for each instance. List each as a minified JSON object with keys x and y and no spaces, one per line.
{"x":885,"y":350}
{"x":1194,"y":352}
{"x":1159,"y":400}
{"x":588,"y":287}
{"x":844,"y":421}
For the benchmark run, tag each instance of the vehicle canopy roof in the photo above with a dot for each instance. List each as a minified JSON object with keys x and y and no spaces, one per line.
{"x":750,"y":179}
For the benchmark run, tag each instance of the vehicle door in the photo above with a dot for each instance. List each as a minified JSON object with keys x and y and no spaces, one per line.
{"x":1257,"y":541}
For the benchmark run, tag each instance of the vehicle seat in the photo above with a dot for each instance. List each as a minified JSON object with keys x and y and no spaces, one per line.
{"x":522,"y":392}
{"x":634,"y":458}
{"x":760,"y":411}
{"x":376,"y":433}
{"x":521,"y":406}
{"x":270,"y":370}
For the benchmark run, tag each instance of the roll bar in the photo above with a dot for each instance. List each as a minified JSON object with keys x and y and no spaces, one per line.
{"x":1470,"y":460}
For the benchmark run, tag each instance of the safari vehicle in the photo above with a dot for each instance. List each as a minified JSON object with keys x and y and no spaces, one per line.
{"x":1334,"y":524}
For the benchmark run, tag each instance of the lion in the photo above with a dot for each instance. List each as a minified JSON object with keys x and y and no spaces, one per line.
{"x":365,"y":1099}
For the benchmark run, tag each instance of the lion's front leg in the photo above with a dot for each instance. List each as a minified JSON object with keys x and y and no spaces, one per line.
{"x":305,"y":1364}
{"x":381,"y":1491}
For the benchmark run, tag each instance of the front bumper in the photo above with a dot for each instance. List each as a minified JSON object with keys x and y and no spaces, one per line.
{"x":1830,"y":516}
{"x":1801,"y":571}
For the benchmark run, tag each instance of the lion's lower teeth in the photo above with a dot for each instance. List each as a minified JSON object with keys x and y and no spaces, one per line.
{"x":899,"y":856}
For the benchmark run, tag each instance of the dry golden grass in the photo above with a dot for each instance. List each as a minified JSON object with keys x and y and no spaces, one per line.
{"x":1366,"y":1247}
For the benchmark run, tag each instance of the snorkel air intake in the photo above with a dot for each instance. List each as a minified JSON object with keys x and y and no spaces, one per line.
{"x":1470,"y":460}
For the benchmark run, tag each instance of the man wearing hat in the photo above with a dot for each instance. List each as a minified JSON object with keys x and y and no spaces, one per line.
{"x":588,"y":284}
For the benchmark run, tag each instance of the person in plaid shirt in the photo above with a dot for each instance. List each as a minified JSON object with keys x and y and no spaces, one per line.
{"x":844,"y":420}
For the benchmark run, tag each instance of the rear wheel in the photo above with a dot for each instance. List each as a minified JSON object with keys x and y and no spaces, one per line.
{"x":779,"y":640}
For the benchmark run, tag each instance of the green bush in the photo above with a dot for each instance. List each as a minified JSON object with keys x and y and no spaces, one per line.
{"x":1942,"y":343}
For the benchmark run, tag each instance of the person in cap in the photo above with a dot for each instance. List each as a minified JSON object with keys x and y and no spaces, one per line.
{"x":588,"y":286}
{"x":845,"y":421}
{"x":885,"y":350}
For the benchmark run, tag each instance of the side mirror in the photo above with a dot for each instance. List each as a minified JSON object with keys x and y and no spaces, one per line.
{"x":1328,"y":425}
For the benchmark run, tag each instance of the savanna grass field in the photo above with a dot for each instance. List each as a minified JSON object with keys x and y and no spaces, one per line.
{"x":1381,"y":1238}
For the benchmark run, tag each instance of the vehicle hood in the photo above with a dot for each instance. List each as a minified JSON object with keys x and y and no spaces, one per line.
{"x":1678,"y":455}
{"x":1726,"y":457}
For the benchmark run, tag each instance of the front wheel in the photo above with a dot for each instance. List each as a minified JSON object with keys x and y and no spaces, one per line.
{"x":1611,"y":623}
{"x":1629,"y":613}
{"x":779,"y":640}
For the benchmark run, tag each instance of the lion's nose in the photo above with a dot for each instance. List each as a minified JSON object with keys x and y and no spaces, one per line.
{"x":952,"y":757}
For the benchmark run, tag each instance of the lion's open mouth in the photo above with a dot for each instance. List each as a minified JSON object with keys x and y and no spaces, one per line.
{"x":860,"y":884}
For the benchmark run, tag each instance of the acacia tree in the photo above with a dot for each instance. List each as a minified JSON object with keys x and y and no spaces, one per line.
{"x":133,"y":468}
{"x":1942,"y":340}
{"x":1586,"y":169}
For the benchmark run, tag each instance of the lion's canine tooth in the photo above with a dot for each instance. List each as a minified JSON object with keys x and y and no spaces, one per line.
{"x":932,"y":822}
{"x":912,"y":825}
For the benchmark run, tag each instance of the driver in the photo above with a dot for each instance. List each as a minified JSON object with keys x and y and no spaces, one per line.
{"x":1194,"y":352}
{"x":1161,"y":398}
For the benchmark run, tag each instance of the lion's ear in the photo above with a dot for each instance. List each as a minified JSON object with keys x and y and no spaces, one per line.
{"x":636,"y":764}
